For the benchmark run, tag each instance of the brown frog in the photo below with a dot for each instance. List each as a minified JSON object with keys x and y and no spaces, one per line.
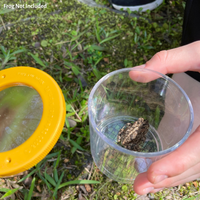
{"x":132,"y":135}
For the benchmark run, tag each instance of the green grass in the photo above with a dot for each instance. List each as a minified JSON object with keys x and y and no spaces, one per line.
{"x":77,"y":46}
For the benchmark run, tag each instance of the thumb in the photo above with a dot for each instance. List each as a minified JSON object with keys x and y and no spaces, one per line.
{"x":182,"y":159}
{"x":181,"y":59}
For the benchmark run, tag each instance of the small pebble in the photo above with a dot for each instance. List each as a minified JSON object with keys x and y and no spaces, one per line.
{"x":28,"y":181}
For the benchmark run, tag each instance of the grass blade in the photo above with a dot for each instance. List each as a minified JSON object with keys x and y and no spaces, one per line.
{"x":4,"y":11}
{"x":50,"y":179}
{"x":78,"y":182}
{"x":4,"y":190}
{"x":70,"y":55}
{"x":110,"y":38}
{"x":192,"y":198}
{"x":96,"y":73}
{"x":77,"y":44}
{"x":3,"y":50}
{"x":98,"y":60}
{"x":58,"y":184}
{"x":55,"y":174}
{"x":97,"y":36}
{"x":97,"y":31}
{"x":76,"y":145}
{"x":75,"y":70}
{"x":70,"y":64}
{"x":31,"y":189}
{"x":18,"y":51}
{"x":157,"y":116}
{"x":12,"y":58}
{"x":98,"y":48}
{"x":45,"y":181}
{"x":51,"y":155}
{"x":10,"y":192}
{"x":78,"y":36}
{"x":25,"y":177}
{"x":83,"y":110}
{"x":58,"y":160}
{"x":38,"y":61}
{"x":6,"y":58}
{"x":26,"y":196}
{"x":67,"y":122}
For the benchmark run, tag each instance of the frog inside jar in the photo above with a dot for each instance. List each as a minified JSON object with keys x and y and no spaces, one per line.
{"x":133,"y":135}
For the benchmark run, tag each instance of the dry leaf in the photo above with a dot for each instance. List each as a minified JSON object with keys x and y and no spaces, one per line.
{"x":20,"y":174}
{"x":45,"y":194}
{"x":106,"y":60}
{"x":39,"y":181}
{"x":145,"y":58}
{"x":88,"y":188}
{"x":36,"y":194}
{"x":66,"y":160}
{"x":195,"y":184}
{"x":49,"y":170}
{"x":13,"y":184}
{"x":83,"y":189}
{"x":2,"y":180}
{"x":28,"y":181}
{"x":187,"y":184}
{"x":38,"y":188}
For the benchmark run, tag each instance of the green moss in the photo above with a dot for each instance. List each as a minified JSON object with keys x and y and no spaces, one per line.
{"x":45,"y":28}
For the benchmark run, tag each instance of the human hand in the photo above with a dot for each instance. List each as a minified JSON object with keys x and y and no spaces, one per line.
{"x":183,"y":165}
{"x":181,"y":59}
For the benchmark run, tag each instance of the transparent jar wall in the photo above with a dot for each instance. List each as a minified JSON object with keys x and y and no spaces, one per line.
{"x":116,"y":100}
{"x":158,"y":101}
{"x":116,"y":164}
{"x":113,"y":163}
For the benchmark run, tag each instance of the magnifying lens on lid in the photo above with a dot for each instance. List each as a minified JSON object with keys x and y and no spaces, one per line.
{"x":32,"y":115}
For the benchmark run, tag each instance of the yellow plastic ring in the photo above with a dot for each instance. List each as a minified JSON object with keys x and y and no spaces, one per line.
{"x":34,"y":149}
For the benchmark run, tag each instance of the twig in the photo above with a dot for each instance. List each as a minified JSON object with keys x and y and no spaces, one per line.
{"x":66,"y":197}
{"x":3,"y":23}
{"x":73,"y":166}
{"x":173,"y":194}
{"x":90,"y":173}
{"x":83,"y":152}
{"x":22,"y":173}
{"x":68,"y":167}
{"x":197,"y":192}
{"x":91,"y":196}
{"x":76,"y":113}
{"x":52,"y":160}
{"x":62,"y":42}
{"x":86,"y":170}
{"x":103,"y":185}
{"x":85,"y":197}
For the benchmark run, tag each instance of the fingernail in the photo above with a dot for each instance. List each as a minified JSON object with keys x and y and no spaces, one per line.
{"x":147,"y":190}
{"x":159,"y":178}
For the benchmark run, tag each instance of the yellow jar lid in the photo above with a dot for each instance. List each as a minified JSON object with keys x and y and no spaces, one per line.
{"x":50,"y":126}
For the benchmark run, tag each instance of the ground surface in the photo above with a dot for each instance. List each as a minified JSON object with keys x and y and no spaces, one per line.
{"x":77,"y":45}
